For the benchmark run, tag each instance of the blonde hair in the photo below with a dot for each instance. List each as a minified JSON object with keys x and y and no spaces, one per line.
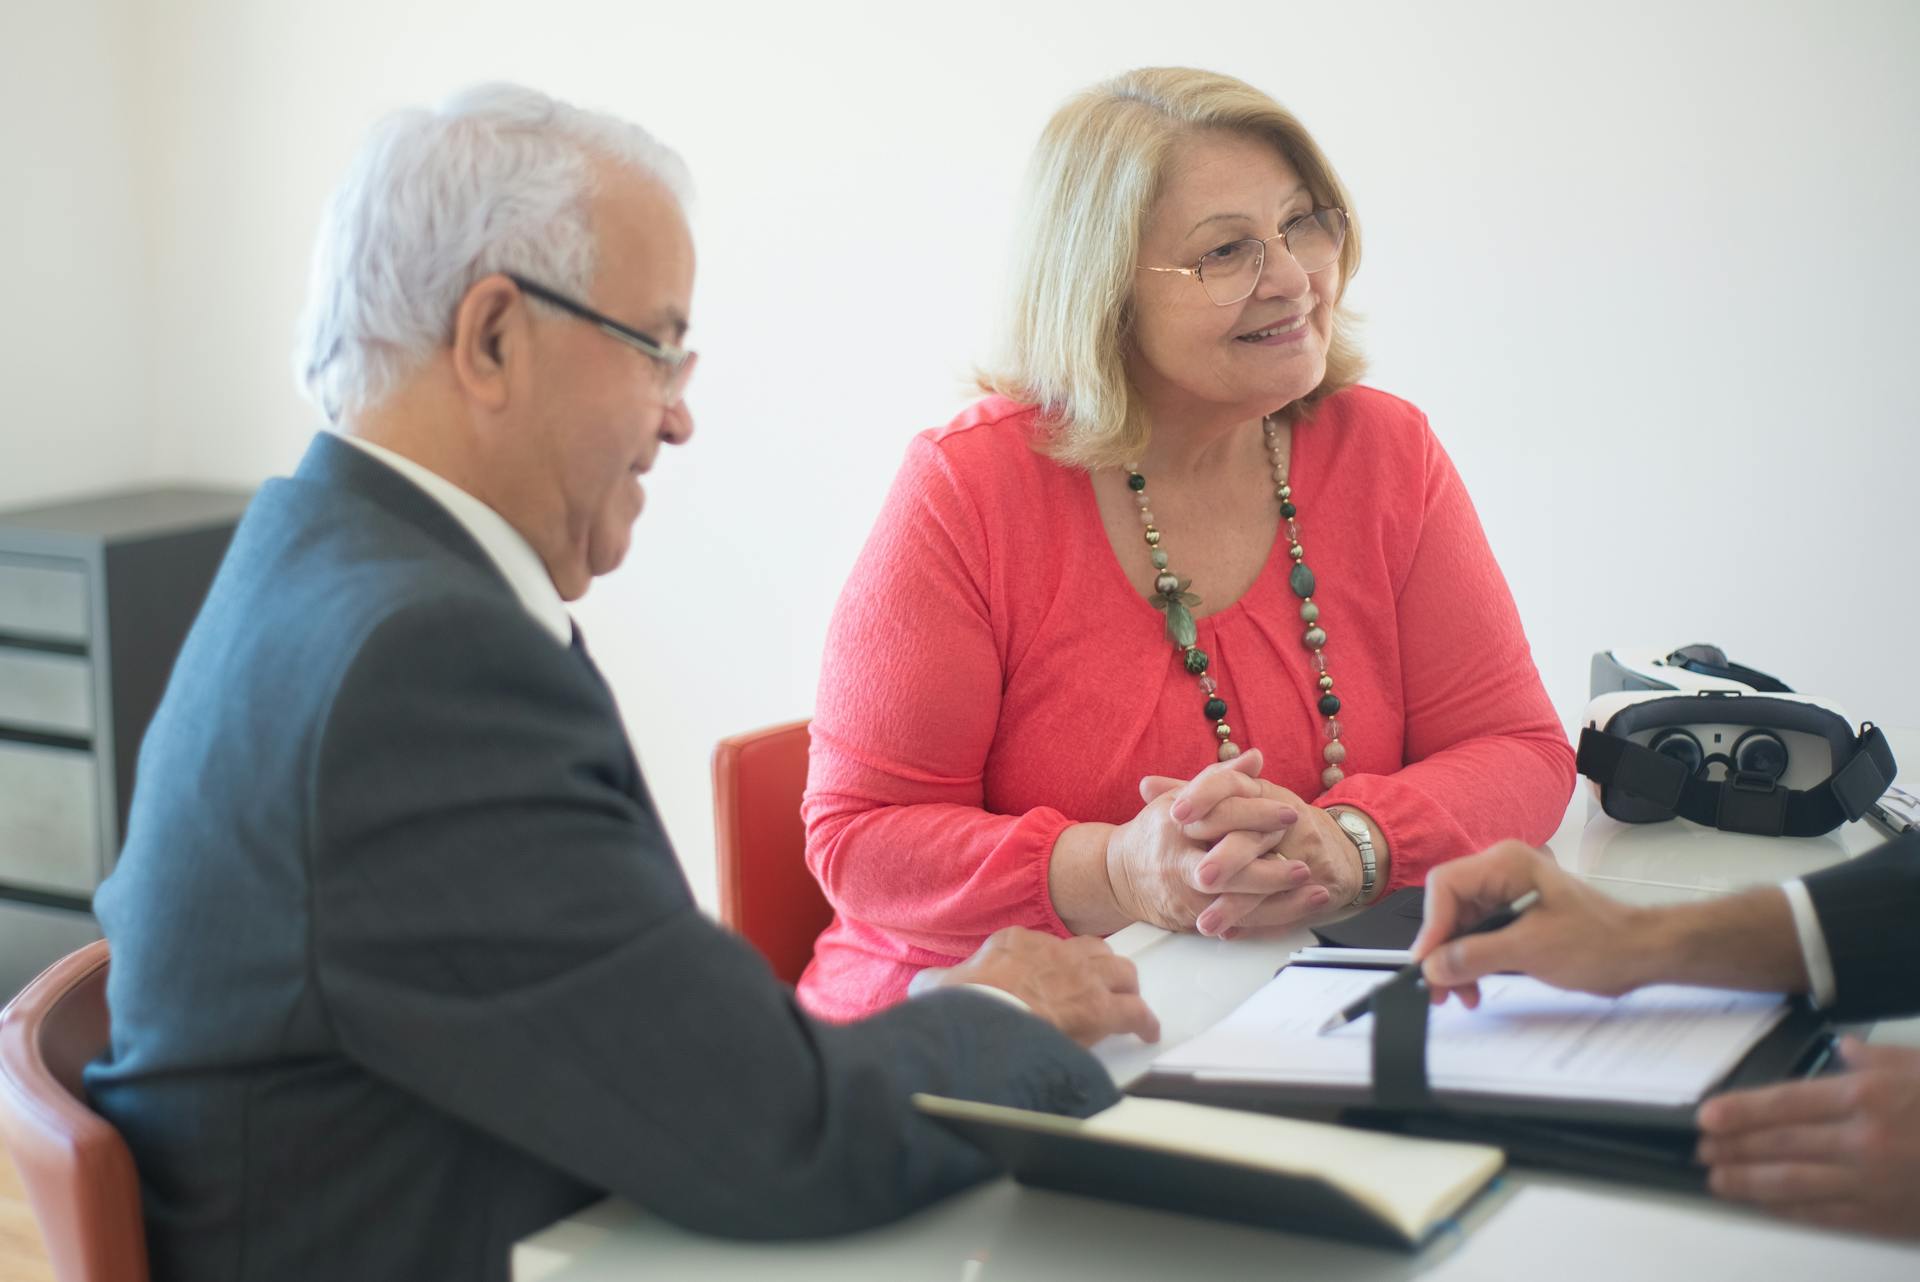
{"x":1095,"y":173}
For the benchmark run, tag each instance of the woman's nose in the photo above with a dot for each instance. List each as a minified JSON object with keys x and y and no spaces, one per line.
{"x":1280,"y":275}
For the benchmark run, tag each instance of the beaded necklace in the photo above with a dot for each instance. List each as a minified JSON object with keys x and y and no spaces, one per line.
{"x":1170,"y":597}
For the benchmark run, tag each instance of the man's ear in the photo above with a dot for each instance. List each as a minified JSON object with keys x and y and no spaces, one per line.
{"x":489,"y":340}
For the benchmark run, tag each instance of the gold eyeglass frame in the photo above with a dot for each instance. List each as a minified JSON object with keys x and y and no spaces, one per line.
{"x":1261,"y":265}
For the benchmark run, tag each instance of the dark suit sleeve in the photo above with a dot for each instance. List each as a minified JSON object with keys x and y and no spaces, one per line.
{"x":501,"y":928}
{"x":1869,"y":910}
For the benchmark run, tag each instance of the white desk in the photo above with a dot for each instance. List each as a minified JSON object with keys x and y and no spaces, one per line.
{"x":1003,"y":1233}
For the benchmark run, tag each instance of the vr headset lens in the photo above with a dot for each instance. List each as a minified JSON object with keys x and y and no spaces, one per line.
{"x":1760,"y":752}
{"x":1757,"y":752}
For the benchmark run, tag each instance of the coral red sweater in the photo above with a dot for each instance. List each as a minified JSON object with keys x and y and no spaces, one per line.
{"x":992,"y":677}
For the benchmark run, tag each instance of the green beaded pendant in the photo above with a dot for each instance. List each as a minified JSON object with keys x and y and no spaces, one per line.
{"x":1177,"y":604}
{"x":1180,"y":626}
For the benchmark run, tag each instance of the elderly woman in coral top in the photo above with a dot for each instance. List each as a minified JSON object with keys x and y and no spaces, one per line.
{"x":1179,"y":625}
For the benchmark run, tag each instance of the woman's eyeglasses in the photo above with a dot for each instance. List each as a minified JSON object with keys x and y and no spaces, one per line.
{"x":1230,"y":272}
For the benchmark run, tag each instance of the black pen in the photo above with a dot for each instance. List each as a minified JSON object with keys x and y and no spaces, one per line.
{"x":1495,"y":920}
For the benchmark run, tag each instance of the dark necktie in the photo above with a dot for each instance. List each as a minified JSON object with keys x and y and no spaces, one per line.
{"x":579,"y":647}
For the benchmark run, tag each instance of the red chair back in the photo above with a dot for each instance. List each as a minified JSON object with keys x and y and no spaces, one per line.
{"x":767,"y":894}
{"x":78,"y":1173}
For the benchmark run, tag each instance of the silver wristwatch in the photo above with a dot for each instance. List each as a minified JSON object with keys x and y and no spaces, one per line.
{"x":1356,"y":829}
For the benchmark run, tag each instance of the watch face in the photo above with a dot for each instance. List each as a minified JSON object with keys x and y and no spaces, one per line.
{"x":1351,"y":822}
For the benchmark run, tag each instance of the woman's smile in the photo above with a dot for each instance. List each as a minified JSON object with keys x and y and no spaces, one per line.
{"x":1291,"y":330}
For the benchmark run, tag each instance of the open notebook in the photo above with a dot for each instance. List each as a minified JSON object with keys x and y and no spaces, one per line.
{"x":1270,"y":1171}
{"x":1665,"y":1045}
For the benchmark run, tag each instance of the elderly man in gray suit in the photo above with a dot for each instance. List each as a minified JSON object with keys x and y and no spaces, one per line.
{"x":403,"y":965}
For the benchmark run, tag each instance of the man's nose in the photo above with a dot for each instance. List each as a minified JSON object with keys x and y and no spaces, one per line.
{"x":676,"y":425}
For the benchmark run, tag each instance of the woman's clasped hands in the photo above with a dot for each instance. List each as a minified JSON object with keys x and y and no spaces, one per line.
{"x":1226,"y":853}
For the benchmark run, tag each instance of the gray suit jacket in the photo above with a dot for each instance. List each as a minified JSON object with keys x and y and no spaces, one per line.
{"x":404,"y":968}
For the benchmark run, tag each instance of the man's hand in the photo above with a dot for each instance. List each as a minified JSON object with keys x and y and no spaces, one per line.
{"x":1078,"y":985}
{"x":1575,"y":937}
{"x":1841,"y":1151}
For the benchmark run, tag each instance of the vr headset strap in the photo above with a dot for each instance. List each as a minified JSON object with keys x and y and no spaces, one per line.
{"x":1745,"y":802}
{"x":1760,"y":681}
{"x":1615,"y":762}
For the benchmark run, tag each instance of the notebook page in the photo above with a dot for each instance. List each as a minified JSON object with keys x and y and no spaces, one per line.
{"x":1666,"y":1044}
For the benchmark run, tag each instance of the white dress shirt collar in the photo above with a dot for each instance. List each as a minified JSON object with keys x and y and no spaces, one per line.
{"x":509,"y":551}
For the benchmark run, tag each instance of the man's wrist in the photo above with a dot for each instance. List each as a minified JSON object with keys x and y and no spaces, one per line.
{"x":994,"y":991}
{"x":1659,"y":943}
{"x":935,"y":979}
{"x":1745,"y":941}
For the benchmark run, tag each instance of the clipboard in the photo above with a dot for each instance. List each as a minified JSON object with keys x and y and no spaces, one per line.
{"x":1636,"y":1142}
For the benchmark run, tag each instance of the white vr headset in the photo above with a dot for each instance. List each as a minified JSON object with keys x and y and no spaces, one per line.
{"x":1689,"y":734}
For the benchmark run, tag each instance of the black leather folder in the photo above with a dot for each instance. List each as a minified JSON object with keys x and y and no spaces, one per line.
{"x":1642,"y":1143}
{"x":1391,"y":923}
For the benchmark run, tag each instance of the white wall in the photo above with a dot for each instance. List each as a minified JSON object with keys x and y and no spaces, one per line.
{"x":1648,"y":267}
{"x":75,"y":350}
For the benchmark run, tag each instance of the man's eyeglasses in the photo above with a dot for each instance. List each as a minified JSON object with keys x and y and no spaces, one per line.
{"x":1230,"y":273}
{"x":677,"y":361}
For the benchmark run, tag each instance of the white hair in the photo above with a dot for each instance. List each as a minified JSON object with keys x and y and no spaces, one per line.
{"x":498,"y":178}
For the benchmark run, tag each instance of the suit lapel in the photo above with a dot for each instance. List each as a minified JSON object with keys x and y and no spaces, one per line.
{"x":636,"y":782}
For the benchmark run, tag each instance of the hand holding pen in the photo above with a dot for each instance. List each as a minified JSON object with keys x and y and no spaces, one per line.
{"x":1499,"y":919}
{"x":1574,"y":937}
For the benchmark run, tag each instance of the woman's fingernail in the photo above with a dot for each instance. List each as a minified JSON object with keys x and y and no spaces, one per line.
{"x":1207,"y":922}
{"x":1179,"y":810}
{"x":1300,"y":872}
{"x":1320,"y":896}
{"x":1209,"y":873}
{"x":1232,"y":932}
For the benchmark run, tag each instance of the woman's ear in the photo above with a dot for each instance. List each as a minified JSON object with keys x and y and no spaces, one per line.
{"x":489,"y":340}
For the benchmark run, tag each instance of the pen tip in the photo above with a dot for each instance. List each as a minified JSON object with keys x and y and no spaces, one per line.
{"x":1333,"y":1021}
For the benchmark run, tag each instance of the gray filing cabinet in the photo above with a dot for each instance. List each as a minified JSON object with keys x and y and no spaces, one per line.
{"x":96,"y":596}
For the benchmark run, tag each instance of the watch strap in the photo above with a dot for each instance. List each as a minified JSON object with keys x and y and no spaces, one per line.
{"x":1362,"y":840}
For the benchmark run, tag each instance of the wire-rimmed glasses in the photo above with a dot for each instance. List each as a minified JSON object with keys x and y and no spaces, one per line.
{"x":1230,"y":272}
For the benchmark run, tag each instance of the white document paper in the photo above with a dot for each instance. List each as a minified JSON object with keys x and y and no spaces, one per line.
{"x":1321,"y":955}
{"x":1573,"y":1236}
{"x":1666,"y":1044}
